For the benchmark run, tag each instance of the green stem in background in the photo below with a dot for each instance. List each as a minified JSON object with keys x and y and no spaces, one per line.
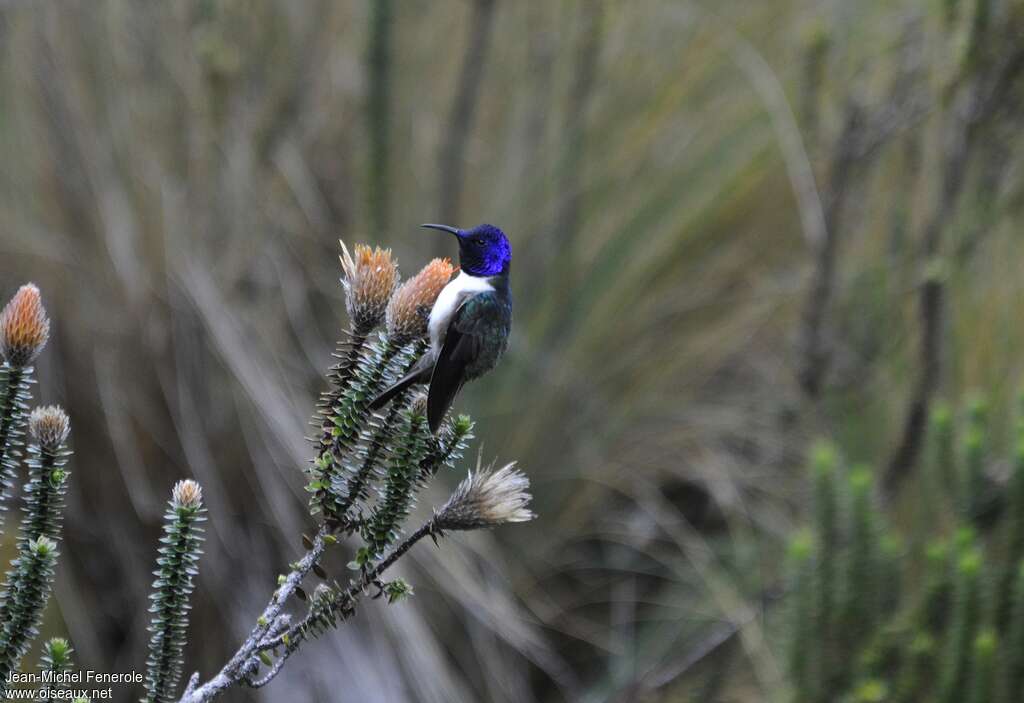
{"x":1014,"y":528}
{"x":916,"y":673}
{"x":824,"y":463}
{"x":378,"y":111}
{"x":176,"y":567}
{"x":861,"y":600}
{"x":801,"y":589}
{"x":25,"y":595}
{"x":890,"y":554}
{"x":974,"y":494}
{"x":953,"y":685}
{"x":56,"y":659}
{"x":14,"y":397}
{"x":942,"y":449}
{"x":1014,"y":650}
{"x":934,"y":609}
{"x":983,"y":667}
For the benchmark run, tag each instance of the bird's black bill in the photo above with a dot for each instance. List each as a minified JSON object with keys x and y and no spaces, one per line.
{"x":445,"y":228}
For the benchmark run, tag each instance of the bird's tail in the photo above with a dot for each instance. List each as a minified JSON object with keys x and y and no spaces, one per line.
{"x":410,"y":379}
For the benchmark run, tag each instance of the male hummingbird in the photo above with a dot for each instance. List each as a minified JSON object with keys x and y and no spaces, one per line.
{"x":468,"y":325}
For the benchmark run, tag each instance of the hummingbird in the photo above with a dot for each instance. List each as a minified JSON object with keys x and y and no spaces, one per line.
{"x":468,"y":325}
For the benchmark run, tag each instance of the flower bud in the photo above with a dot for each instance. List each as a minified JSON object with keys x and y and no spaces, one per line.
{"x":24,"y":327}
{"x":49,"y":426}
{"x":187,"y":494}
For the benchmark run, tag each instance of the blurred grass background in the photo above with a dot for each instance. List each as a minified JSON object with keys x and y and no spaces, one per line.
{"x":175,"y":178}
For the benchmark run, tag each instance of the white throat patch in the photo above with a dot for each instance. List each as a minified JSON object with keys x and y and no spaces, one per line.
{"x":451,"y":297}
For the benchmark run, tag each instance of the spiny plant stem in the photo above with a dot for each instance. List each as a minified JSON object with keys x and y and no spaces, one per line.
{"x":44,"y":493}
{"x":242,"y":662}
{"x":44,"y":505}
{"x":399,"y":487}
{"x":324,"y":612}
{"x":376,"y":445}
{"x":14,"y":397}
{"x":56,"y":659}
{"x":329,"y":481}
{"x":26,"y":592}
{"x":348,"y":352}
{"x":176,"y":567}
{"x":444,"y":451}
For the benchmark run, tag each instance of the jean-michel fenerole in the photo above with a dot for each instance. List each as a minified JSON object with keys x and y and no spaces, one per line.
{"x":86,"y":676}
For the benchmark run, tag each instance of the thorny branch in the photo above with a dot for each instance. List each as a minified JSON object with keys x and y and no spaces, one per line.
{"x":267,"y":635}
{"x":243,"y":663}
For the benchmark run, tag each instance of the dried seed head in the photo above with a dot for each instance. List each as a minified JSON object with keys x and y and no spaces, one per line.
{"x":369,"y":280}
{"x":24,"y":327}
{"x":487,"y":499}
{"x":410,"y":305}
{"x":187,"y":494}
{"x":49,"y":426}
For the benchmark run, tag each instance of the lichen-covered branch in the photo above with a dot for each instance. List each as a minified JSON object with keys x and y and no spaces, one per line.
{"x":485,"y":499}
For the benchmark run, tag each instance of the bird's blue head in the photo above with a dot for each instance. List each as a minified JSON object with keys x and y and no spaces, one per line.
{"x":483,"y":250}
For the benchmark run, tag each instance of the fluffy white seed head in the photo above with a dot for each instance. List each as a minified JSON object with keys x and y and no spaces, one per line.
{"x":486,"y":499}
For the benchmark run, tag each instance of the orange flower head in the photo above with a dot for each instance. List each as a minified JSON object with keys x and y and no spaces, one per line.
{"x":24,"y":327}
{"x":410,"y":306}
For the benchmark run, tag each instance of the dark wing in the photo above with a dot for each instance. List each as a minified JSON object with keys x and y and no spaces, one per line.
{"x":420,"y":373}
{"x":474,"y":340}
